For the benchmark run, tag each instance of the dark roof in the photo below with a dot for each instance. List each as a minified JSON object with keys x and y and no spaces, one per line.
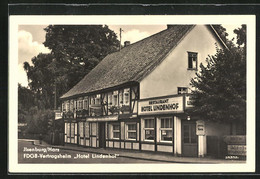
{"x":132,"y":63}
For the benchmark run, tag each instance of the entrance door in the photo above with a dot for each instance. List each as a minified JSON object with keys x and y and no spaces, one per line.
{"x":101,"y":135}
{"x":189,"y":139}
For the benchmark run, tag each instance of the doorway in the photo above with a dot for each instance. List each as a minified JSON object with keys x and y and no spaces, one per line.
{"x":189,"y":139}
{"x":101,"y":135}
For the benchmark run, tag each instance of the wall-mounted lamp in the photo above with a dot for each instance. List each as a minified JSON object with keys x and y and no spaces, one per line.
{"x":188,"y":118}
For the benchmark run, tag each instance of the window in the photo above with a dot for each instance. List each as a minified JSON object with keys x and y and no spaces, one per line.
{"x":68,"y":129}
{"x":75,"y":105}
{"x":120,"y":96}
{"x":72,"y":129}
{"x":116,"y":131}
{"x":115,"y":98}
{"x":87,"y":129}
{"x":71,"y":105}
{"x":126,"y":96}
{"x":93,"y":128}
{"x":92,"y":100}
{"x":68,"y":106}
{"x":80,"y":104}
{"x":63,"y":107}
{"x":109,"y":98}
{"x":192,"y":60}
{"x":81,"y":129}
{"x":131,"y":131}
{"x":189,"y":133}
{"x":166,"y":129}
{"x":182,"y":90}
{"x":97,"y":99}
{"x":85,"y":103}
{"x":149,"y":129}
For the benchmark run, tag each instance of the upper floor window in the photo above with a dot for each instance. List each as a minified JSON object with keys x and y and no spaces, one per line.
{"x":126,"y":96}
{"x":85,"y":103}
{"x":67,"y":106}
{"x":92,"y":100}
{"x":71,"y":105}
{"x":74,"y":104}
{"x":97,"y":99}
{"x":182,"y":90}
{"x":115,"y":98}
{"x":80,"y":104}
{"x":192,"y":60}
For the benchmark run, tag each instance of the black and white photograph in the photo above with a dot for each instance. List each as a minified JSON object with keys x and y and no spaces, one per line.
{"x":153,"y":93}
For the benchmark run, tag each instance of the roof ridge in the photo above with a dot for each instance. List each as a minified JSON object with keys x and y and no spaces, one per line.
{"x":132,"y":63}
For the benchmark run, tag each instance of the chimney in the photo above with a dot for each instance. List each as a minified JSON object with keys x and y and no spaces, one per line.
{"x":126,"y":43}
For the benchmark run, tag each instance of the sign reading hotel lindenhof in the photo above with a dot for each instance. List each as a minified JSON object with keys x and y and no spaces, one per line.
{"x":162,"y":105}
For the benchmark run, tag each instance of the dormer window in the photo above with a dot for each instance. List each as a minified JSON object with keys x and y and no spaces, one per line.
{"x":192,"y":60}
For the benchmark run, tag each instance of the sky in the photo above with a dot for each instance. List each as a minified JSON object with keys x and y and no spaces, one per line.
{"x":31,"y":38}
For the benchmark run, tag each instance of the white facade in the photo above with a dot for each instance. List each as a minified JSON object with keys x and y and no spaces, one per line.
{"x":173,"y":71}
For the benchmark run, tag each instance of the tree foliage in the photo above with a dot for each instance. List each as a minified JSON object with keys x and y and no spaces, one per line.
{"x":39,"y":121}
{"x":241,"y":35}
{"x":75,"y":51}
{"x":26,"y":100}
{"x":220,"y":86}
{"x":41,"y":79}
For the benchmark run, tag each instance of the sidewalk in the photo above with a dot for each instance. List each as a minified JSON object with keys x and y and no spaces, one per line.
{"x":141,"y":155}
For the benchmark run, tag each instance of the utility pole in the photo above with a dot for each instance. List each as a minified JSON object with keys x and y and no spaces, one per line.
{"x":120,"y":38}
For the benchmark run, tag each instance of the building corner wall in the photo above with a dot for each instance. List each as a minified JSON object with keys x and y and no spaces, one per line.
{"x":202,"y":149}
{"x":177,"y":136}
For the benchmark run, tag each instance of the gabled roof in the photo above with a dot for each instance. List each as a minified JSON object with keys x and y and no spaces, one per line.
{"x":132,"y":63}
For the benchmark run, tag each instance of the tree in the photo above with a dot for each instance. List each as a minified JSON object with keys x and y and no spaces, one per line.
{"x":75,"y":51}
{"x":221,"y":32}
{"x":26,"y":100}
{"x":220,"y":87}
{"x":79,"y":48}
{"x":41,"y":79}
{"x":241,"y":35}
{"x":38,"y":122}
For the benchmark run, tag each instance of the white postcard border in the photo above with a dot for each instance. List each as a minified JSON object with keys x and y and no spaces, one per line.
{"x":15,"y":21}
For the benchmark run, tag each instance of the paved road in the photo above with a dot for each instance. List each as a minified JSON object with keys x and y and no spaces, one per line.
{"x":48,"y":154}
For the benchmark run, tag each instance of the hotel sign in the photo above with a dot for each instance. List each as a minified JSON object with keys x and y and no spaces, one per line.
{"x":103,"y":119}
{"x":188,"y":102}
{"x":161,"y":105}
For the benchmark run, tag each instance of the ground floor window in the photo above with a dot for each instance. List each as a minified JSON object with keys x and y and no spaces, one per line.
{"x":81,"y":129}
{"x":131,"y":131}
{"x":72,"y":129}
{"x":93,"y":128}
{"x":87,"y":129}
{"x":116,"y":131}
{"x":149,"y":129}
{"x":68,"y":129}
{"x":166,"y":132}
